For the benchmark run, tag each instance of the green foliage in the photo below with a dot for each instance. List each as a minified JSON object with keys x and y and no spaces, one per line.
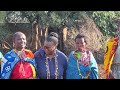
{"x":2,"y":16}
{"x":4,"y":32}
{"x":15,"y":17}
{"x":104,"y":20}
{"x":54,"y":18}
{"x":3,"y":29}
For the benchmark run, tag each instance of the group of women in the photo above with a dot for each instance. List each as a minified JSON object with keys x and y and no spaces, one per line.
{"x":48,"y":62}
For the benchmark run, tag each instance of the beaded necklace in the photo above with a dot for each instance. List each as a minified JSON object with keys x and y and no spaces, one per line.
{"x":78,"y":66}
{"x":56,"y":68}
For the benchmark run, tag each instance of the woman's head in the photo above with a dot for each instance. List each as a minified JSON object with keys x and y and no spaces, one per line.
{"x":19,"y":40}
{"x":51,"y":43}
{"x":80,"y":41}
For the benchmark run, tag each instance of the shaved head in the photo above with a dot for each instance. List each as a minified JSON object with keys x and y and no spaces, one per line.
{"x":19,"y":40}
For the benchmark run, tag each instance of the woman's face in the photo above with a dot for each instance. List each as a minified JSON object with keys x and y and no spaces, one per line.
{"x":49,"y":48}
{"x":80,"y":44}
{"x":20,"y":41}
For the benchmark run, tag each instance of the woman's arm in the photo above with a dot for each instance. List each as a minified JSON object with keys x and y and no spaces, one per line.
{"x":94,"y":67}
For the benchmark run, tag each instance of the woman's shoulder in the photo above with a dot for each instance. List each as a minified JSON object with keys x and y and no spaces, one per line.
{"x":9,"y":53}
{"x":71,"y":53}
{"x":39,"y":52}
{"x":29,"y":53}
{"x":61,"y":53}
{"x":36,"y":53}
{"x":27,"y":50}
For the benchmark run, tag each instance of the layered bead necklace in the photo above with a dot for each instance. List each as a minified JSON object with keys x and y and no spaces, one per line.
{"x":56,"y":67}
{"x":78,"y":66}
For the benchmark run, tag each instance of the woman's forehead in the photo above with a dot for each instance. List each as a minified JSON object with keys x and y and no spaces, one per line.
{"x":49,"y":44}
{"x":20,"y":36}
{"x":80,"y":39}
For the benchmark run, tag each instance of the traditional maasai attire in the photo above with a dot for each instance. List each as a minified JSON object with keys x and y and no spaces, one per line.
{"x":20,"y":66}
{"x":115,"y":67}
{"x":81,"y":66}
{"x":51,"y":68}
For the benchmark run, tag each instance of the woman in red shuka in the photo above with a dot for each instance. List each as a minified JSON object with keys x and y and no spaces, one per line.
{"x":18,"y":63}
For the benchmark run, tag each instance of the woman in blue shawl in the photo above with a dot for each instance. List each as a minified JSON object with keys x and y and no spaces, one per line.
{"x":18,"y":63}
{"x":81,"y":63}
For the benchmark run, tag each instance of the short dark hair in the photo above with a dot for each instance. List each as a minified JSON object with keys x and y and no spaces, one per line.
{"x":53,"y":37}
{"x":81,"y":36}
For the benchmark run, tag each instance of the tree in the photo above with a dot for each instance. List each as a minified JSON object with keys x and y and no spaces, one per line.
{"x":3,"y":32}
{"x":104,"y":20}
{"x":45,"y":19}
{"x":40,"y":22}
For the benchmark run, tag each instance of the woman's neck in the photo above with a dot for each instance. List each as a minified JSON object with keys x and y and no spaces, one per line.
{"x":81,"y":50}
{"x":18,"y":50}
{"x":51,"y":56}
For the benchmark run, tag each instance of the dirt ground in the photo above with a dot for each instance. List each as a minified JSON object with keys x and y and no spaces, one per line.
{"x":101,"y":71}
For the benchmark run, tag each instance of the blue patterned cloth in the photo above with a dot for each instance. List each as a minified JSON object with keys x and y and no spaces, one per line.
{"x":73,"y":71}
{"x":8,"y":63}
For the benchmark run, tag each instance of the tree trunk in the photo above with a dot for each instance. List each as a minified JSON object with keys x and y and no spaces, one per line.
{"x":35,"y":44}
{"x":39,"y":36}
{"x":44,"y":35}
{"x":61,"y":39}
{"x":65,"y":34}
{"x":36,"y":37}
{"x":46,"y":32}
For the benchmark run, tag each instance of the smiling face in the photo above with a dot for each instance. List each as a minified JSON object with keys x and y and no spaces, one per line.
{"x":20,"y":41}
{"x":49,"y":48}
{"x":80,"y":44}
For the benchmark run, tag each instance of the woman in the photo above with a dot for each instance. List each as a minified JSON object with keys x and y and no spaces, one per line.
{"x":51,"y":63}
{"x":81,"y":63}
{"x":18,"y":63}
